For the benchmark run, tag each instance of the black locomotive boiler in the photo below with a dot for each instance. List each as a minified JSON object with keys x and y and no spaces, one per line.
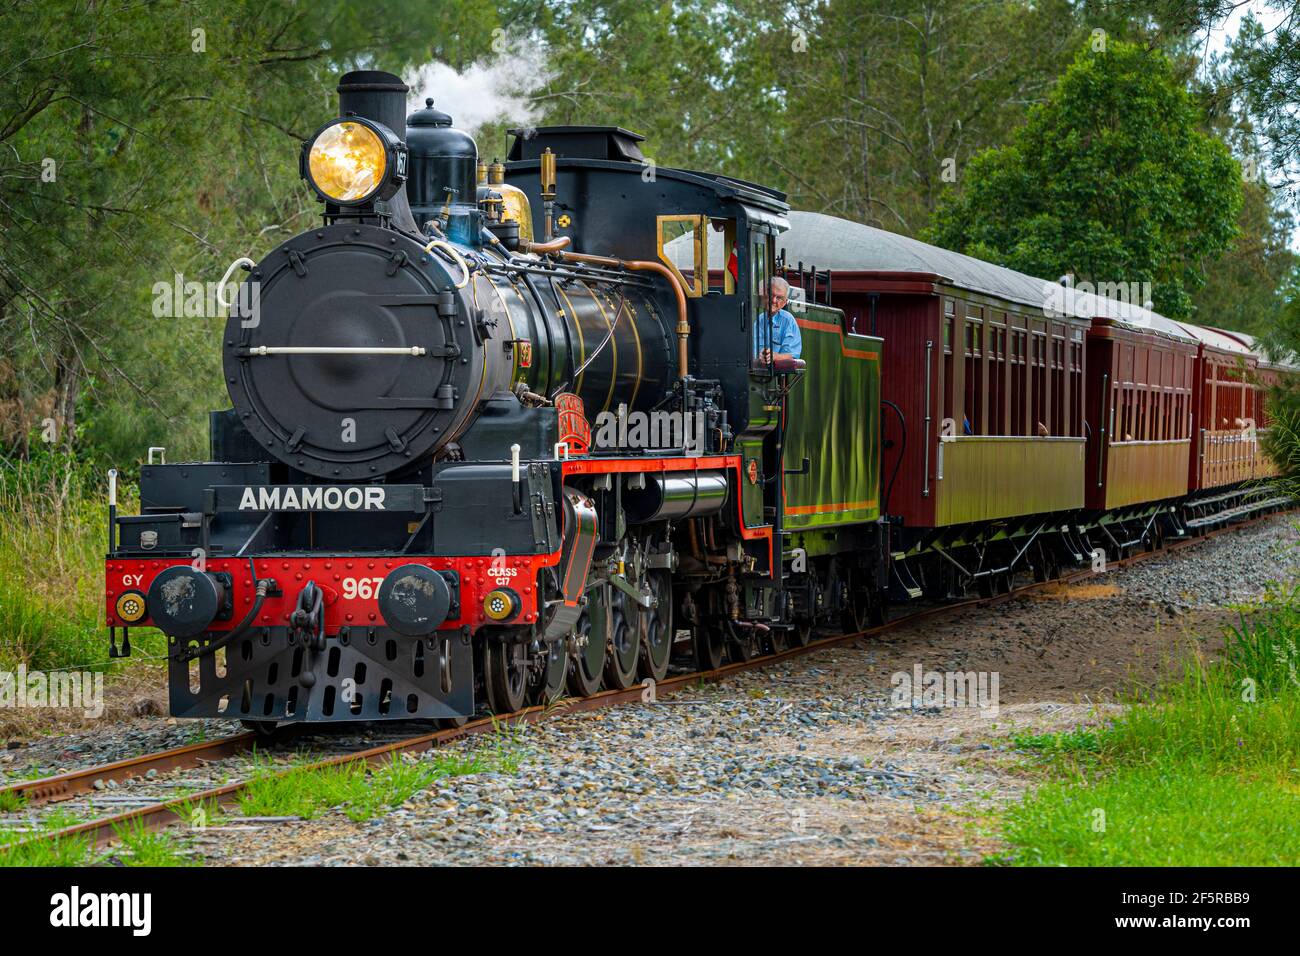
{"x":498,"y":435}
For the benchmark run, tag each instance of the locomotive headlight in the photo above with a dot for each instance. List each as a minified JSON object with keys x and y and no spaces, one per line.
{"x":353,"y":161}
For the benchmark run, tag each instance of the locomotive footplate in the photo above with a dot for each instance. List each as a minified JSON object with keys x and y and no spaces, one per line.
{"x":360,"y":673}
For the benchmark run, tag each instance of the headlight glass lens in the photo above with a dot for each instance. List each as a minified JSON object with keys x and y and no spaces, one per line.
{"x":347,"y":162}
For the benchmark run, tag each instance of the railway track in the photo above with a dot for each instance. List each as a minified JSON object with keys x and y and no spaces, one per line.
{"x":157,"y":814}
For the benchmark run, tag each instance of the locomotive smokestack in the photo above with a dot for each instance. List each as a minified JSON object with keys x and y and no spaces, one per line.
{"x":380,"y":97}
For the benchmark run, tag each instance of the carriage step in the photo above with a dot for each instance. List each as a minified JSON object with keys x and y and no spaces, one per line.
{"x":1238,"y":512}
{"x":902,"y":585}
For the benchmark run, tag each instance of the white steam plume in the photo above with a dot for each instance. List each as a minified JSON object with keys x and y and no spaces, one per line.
{"x":487,"y":92}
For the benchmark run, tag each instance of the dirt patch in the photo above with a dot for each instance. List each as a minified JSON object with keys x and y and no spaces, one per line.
{"x":1059,"y":647}
{"x":135,"y":695}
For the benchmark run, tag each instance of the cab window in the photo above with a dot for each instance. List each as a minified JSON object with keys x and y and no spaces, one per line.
{"x":723,"y":257}
{"x":682,"y":249}
{"x":760,"y":269}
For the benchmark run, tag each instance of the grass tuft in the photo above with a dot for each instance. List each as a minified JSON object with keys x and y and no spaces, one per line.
{"x":68,"y":851}
{"x":363,"y":793}
{"x":141,"y":846}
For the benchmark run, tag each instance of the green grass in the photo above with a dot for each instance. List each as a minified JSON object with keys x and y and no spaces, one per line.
{"x":12,"y":802}
{"x":53,"y":534}
{"x":1203,"y":772}
{"x":141,"y":846}
{"x":1158,"y":816}
{"x":60,"y":818}
{"x":1079,"y":740}
{"x":362,"y":792}
{"x":69,"y":851}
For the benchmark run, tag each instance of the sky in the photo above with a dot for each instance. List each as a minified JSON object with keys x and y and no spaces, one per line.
{"x":1217,"y":40}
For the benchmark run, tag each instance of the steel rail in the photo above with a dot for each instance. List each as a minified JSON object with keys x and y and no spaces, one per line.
{"x":104,"y":831}
{"x":74,"y":783}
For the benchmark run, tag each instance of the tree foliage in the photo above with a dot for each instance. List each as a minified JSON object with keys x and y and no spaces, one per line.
{"x":143,"y":140}
{"x":1111,"y":180}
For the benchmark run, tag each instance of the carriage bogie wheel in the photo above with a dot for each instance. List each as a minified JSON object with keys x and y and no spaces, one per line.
{"x":777,"y":640}
{"x":505,"y":675}
{"x":801,"y":634}
{"x":452,"y":723}
{"x":586,"y":667}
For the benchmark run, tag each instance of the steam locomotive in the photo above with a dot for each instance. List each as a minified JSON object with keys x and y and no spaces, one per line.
{"x":502,"y":432}
{"x":466,"y":463}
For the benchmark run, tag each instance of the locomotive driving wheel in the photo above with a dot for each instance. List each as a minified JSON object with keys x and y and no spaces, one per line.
{"x":656,"y":630}
{"x":778,"y":640}
{"x":710,"y":646}
{"x":857,"y":605}
{"x":548,"y":682}
{"x":624,"y":646}
{"x":587,"y":654}
{"x":743,"y":643}
{"x":505,"y":674}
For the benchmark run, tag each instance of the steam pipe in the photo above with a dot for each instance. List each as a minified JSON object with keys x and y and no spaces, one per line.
{"x":546,"y":248}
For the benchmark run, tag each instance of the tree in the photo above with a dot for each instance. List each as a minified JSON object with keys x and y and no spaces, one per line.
{"x":1246,"y":288}
{"x":1111,"y":180}
{"x":139,"y":141}
{"x":1266,"y":74}
{"x":655,"y":68}
{"x":883,"y":102}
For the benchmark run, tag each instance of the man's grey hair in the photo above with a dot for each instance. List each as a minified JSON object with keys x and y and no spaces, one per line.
{"x":777,"y":284}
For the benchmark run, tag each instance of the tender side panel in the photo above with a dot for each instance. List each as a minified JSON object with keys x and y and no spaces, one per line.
{"x":833,"y":420}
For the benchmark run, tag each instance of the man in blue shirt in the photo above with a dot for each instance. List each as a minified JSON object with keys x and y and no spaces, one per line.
{"x":777,"y":328}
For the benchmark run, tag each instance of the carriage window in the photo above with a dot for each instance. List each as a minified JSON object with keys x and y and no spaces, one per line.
{"x":682,"y":249}
{"x":973,"y":407}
